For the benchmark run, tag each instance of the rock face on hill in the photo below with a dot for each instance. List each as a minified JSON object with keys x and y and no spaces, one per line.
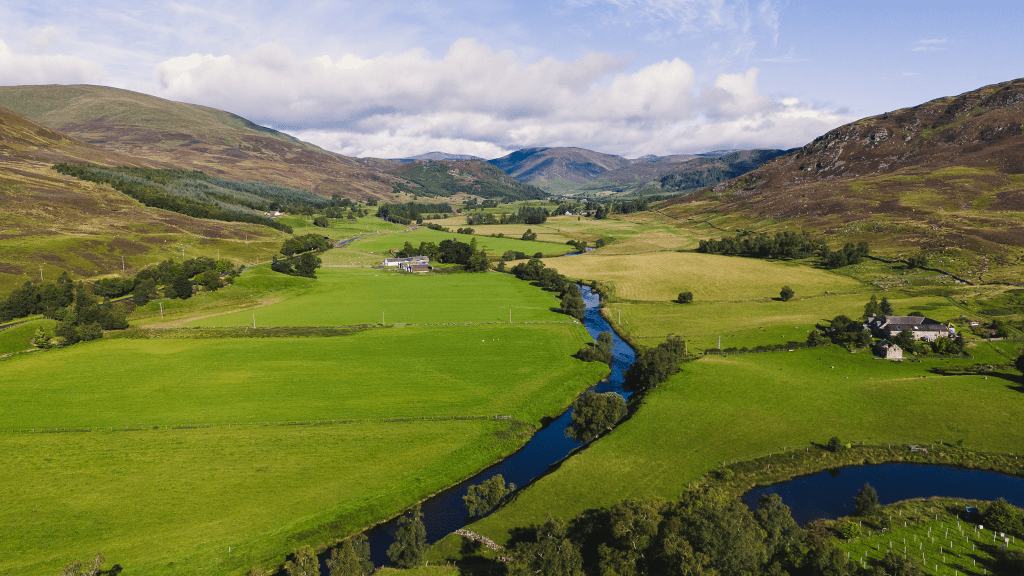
{"x":194,"y":137}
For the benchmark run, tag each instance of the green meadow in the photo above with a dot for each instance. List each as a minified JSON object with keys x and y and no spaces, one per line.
{"x":662,"y":276}
{"x":381,"y":243}
{"x":722,"y":409}
{"x":758,"y":322}
{"x":246,"y":478}
{"x":165,"y":449}
{"x":395,"y":372}
{"x":346,"y":297}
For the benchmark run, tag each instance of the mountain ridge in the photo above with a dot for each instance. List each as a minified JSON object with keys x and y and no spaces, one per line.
{"x":195,"y":137}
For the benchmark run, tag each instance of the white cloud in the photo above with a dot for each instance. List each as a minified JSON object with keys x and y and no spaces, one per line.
{"x":17,"y":69}
{"x":477,"y":101}
{"x":929,"y":45}
{"x":42,"y":38}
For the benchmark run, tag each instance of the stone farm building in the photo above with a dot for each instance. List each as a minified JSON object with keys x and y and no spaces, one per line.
{"x":419,"y":264}
{"x":922,"y":328}
{"x":888,"y":350}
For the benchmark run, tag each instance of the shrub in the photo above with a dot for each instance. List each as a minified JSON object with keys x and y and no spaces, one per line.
{"x":685,"y":298}
{"x":834,"y":444}
{"x":786,"y":294}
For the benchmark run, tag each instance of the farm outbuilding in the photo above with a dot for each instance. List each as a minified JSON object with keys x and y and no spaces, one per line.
{"x":888,"y":350}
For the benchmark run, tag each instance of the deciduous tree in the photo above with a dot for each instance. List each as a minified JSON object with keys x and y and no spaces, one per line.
{"x":786,"y":294}
{"x":352,"y":558}
{"x":866,"y":501}
{"x":594,"y":413}
{"x":411,"y":540}
{"x":305,"y":563}
{"x":481,"y":499}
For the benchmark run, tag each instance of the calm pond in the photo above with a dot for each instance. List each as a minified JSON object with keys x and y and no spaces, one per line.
{"x":830,"y":494}
{"x":445,"y":512}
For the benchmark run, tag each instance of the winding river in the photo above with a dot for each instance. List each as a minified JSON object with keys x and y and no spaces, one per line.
{"x":830,"y":494}
{"x":445,"y":512}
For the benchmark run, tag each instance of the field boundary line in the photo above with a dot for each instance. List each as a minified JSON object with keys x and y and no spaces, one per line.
{"x":256,"y":424}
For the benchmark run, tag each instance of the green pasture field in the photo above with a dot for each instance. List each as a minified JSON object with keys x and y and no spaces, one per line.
{"x":354,"y":296}
{"x":662,"y":276}
{"x":172,"y":501}
{"x":18,"y":338}
{"x":341,"y":228}
{"x":381,"y":243}
{"x":399,"y":372}
{"x":735,"y":408}
{"x":262,"y":490}
{"x":758,"y":322}
{"x":973,"y":551}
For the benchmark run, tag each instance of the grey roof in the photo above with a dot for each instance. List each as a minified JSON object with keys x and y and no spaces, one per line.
{"x":912,"y":323}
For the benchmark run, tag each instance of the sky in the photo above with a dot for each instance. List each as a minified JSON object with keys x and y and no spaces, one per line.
{"x":389,"y":79}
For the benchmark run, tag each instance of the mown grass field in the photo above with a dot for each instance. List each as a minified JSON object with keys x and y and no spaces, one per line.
{"x":734,"y":408}
{"x":345,"y":297}
{"x":662,"y":276}
{"x":261,"y":490}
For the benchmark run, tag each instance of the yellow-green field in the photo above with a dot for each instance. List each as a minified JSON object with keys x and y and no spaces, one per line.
{"x":662,"y":276}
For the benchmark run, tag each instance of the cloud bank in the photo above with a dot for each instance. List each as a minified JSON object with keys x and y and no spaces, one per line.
{"x":16,"y":69}
{"x":478,"y":101}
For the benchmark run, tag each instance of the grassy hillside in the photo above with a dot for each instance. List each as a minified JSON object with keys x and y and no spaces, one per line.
{"x":194,"y":137}
{"x":58,"y":223}
{"x":945,"y":179}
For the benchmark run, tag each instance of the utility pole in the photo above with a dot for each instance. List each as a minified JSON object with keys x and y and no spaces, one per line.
{"x":122,"y":263}
{"x":253,"y":319}
{"x":719,"y":342}
{"x":509,"y":314}
{"x":161,"y":311}
{"x":620,"y":316}
{"x":182,"y":254}
{"x":40,"y":273}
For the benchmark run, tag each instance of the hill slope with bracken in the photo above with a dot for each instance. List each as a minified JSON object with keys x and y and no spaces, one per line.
{"x":945,"y":178}
{"x":50,"y":223}
{"x":194,"y":137}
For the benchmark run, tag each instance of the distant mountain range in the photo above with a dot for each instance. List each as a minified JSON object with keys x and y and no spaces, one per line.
{"x":575,"y":170}
{"x":438,"y":156}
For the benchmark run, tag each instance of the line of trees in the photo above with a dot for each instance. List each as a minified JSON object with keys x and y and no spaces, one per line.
{"x":451,"y":251}
{"x":783,"y":245}
{"x":301,"y":255}
{"x":655,"y":365}
{"x":409,"y":212}
{"x":182,"y":191}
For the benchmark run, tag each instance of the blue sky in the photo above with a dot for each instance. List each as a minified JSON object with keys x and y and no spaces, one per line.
{"x":632,"y":77}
